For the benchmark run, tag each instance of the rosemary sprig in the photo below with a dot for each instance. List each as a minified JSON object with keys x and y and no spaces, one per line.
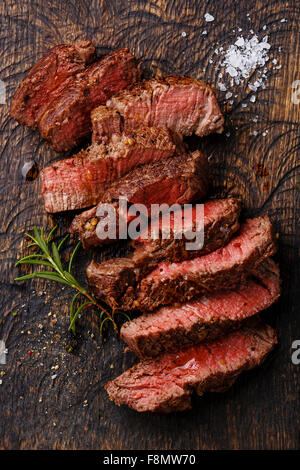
{"x":50,"y":257}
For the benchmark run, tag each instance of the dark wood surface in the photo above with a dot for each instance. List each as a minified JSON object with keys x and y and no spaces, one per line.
{"x":261,"y":411}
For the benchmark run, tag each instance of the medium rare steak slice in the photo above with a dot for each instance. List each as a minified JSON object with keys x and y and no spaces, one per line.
{"x":180,"y":179}
{"x":172,"y":328}
{"x":47,"y":78}
{"x":220,"y":223}
{"x":81,"y":181}
{"x":183,"y":104}
{"x":165,"y":384}
{"x":222,"y":269}
{"x":66,"y":122}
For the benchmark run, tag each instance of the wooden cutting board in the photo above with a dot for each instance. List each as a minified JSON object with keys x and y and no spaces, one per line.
{"x":259,"y":161}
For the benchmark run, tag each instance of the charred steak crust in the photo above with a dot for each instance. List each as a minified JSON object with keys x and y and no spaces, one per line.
{"x":81,"y":181}
{"x":106,"y":122}
{"x":170,"y":329}
{"x":60,"y":91}
{"x":165,"y":384}
{"x":183,"y":104}
{"x":177,"y":180}
{"x":47,"y":78}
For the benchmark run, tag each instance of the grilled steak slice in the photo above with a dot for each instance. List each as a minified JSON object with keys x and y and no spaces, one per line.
{"x":180,"y":179}
{"x":220,"y":223}
{"x":81,"y":181}
{"x":66,"y":122}
{"x":172,"y":328}
{"x":224,"y":268}
{"x":46,"y":80}
{"x":165,"y":384}
{"x":183,"y":104}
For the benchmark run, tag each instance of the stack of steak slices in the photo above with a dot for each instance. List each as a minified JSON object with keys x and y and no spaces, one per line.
{"x":198,"y":329}
{"x":198,"y":326}
{"x":59,"y":92}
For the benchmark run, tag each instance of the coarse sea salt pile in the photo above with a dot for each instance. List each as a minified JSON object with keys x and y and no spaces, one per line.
{"x":244,"y":57}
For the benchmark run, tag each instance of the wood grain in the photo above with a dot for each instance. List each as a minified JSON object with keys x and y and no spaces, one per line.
{"x":261,"y":411}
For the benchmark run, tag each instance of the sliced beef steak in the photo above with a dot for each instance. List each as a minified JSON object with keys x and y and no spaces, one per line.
{"x":46,"y":80}
{"x":114,"y":276}
{"x":183,"y":104}
{"x":165,"y":384}
{"x":81,"y":181}
{"x":66,"y":122}
{"x":222,"y":269}
{"x":220,"y":223}
{"x":60,"y":91}
{"x":172,"y":328}
{"x":177,"y":180}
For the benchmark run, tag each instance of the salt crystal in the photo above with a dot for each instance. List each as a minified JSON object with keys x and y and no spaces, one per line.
{"x":228,"y":95}
{"x":255,"y":132}
{"x":264,"y":27}
{"x":253,"y":99}
{"x":240,"y":42}
{"x":183,"y":34}
{"x":245,"y":56}
{"x":240,"y":29}
{"x":252,"y":87}
{"x":204,"y":32}
{"x":274,"y":61}
{"x":231,"y":102}
{"x":284,"y":20}
{"x":208,"y":17}
{"x":227,"y":134}
{"x":232,"y":71}
{"x":222,"y":86}
{"x":53,"y":376}
{"x":244,"y":105}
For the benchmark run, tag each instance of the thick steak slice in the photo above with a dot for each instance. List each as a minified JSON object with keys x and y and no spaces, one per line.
{"x":220,"y":223}
{"x":165,"y":384}
{"x":222,"y":269}
{"x":172,"y":328}
{"x":66,"y":122}
{"x":46,"y":80}
{"x":81,"y":181}
{"x":179,"y":179}
{"x":183,"y":104}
